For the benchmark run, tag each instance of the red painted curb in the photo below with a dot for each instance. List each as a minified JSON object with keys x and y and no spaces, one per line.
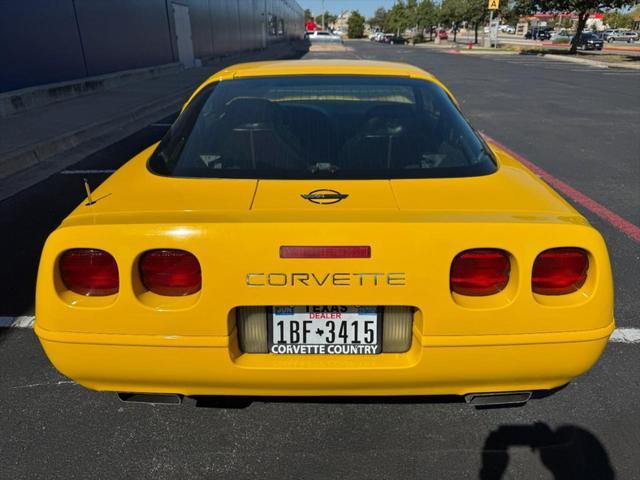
{"x":625,"y":226}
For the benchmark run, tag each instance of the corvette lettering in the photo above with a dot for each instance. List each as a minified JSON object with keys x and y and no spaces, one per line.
{"x":338,"y":279}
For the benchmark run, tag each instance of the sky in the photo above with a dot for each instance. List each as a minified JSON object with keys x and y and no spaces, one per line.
{"x":366,"y":7}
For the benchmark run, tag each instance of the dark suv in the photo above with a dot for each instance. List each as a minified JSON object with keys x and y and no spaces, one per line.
{"x":590,"y":41}
{"x":539,"y":33}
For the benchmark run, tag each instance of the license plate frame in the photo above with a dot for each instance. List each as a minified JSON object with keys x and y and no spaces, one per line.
{"x":338,"y":348}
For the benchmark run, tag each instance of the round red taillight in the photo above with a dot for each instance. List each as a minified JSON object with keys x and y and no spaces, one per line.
{"x":479,"y":272}
{"x":170,"y":272}
{"x":559,"y":271}
{"x":90,"y":272}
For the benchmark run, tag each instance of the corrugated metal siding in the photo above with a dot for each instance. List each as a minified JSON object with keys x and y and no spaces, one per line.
{"x":44,"y":41}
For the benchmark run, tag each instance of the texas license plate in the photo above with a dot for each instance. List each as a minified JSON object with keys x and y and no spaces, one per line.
{"x":325,"y":329}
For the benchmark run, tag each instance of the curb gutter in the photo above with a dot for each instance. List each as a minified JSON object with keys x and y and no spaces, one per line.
{"x":23,"y":100}
{"x":593,"y":63}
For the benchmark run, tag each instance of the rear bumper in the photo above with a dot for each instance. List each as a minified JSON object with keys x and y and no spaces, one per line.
{"x":213,"y":365}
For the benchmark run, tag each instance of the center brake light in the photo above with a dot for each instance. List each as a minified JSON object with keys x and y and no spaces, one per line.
{"x":90,"y":272}
{"x":325,"y":252}
{"x":480,"y":272}
{"x":170,"y":272}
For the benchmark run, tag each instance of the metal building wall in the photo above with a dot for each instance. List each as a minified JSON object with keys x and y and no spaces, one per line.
{"x":45,"y":41}
{"x":123,"y":35}
{"x":37,"y":49}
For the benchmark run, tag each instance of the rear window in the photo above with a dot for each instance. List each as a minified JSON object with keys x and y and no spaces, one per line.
{"x":307,"y":127}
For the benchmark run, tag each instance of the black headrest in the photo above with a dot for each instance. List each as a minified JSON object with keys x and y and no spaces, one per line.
{"x":396,"y":119}
{"x":251,"y":110}
{"x":396,"y":110}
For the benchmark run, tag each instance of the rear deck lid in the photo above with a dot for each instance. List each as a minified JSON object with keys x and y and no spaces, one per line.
{"x":323,"y":195}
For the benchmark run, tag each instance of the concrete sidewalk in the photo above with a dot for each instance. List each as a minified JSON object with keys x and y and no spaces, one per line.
{"x":41,"y":141}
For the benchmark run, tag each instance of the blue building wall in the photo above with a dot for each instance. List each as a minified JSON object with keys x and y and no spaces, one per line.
{"x":46,"y":41}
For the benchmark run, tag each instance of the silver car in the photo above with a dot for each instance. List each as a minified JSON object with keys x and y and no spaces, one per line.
{"x":320,"y":36}
{"x":621,"y":36}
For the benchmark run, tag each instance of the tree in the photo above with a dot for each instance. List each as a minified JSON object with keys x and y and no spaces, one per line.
{"x":508,"y":13}
{"x":307,"y":15}
{"x":355,"y":25}
{"x":582,"y":8}
{"x":427,"y":16}
{"x":398,"y":18}
{"x":616,"y":19}
{"x":453,"y":12}
{"x":379,"y":19}
{"x":329,"y":18}
{"x":476,"y":13}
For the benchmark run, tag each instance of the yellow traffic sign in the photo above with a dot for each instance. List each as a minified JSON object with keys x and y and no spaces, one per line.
{"x":494,"y":4}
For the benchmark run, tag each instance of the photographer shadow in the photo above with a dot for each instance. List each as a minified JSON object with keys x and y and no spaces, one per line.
{"x":569,"y":452}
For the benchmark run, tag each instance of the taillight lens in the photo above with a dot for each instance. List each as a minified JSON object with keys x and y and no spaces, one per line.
{"x":172,"y":273}
{"x":480,"y":272}
{"x":90,"y":272}
{"x":559,"y":271}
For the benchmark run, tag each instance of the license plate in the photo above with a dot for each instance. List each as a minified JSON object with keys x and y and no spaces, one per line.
{"x":325,"y":329}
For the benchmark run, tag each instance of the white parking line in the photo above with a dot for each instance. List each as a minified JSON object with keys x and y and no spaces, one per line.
{"x":625,"y":335}
{"x":620,"y":335}
{"x":25,"y":321}
{"x":85,"y":172}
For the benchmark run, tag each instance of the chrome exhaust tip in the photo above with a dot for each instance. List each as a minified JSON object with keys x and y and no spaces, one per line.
{"x":151,"y":398}
{"x":497,"y":399}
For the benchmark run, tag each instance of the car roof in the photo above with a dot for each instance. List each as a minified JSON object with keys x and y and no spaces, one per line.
{"x":321,"y":67}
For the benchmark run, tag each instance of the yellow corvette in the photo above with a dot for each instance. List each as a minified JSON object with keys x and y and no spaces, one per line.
{"x":324,"y":228}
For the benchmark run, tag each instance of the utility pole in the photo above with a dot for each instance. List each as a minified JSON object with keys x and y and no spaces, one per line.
{"x":493,"y":5}
{"x":491,"y":27}
{"x":323,"y":15}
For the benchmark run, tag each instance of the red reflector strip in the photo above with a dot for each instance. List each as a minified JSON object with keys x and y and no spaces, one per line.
{"x":325,"y":252}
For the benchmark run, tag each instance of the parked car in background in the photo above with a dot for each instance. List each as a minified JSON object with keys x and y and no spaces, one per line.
{"x":507,"y":29}
{"x":392,"y":39}
{"x":563,"y":36}
{"x":320,"y":36}
{"x":539,"y":33}
{"x":442,"y":35}
{"x":590,"y":41}
{"x":622,"y":36}
{"x":605,"y":33}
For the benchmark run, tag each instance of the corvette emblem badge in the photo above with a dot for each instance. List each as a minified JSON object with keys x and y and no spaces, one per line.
{"x":324,"y":196}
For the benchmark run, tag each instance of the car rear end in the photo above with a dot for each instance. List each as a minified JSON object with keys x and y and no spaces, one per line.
{"x":417,"y":268}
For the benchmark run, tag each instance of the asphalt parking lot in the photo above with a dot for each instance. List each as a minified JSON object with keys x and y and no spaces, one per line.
{"x":579,"y":124}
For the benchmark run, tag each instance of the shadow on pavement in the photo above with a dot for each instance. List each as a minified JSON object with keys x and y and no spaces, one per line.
{"x":238,"y":402}
{"x":245,"y":402}
{"x":569,"y":452}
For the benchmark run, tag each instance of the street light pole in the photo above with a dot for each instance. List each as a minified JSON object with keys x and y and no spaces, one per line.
{"x":323,"y":15}
{"x":491,"y":28}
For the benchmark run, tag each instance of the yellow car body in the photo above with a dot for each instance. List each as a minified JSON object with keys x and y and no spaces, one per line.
{"x":138,"y":341}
